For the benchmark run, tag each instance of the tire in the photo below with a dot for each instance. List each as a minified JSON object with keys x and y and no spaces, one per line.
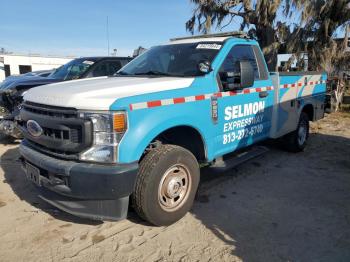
{"x":297,"y":140}
{"x":7,"y":139}
{"x":166,"y":172}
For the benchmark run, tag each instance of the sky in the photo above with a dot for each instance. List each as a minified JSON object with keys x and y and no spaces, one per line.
{"x":79,"y":28}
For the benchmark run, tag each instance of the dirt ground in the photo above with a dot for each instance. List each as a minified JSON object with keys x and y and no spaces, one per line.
{"x":278,"y":207}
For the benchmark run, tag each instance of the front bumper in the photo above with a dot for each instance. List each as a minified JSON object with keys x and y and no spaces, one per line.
{"x":94,"y":191}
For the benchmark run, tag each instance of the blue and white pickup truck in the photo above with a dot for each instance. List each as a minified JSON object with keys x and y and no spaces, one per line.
{"x":142,"y":135}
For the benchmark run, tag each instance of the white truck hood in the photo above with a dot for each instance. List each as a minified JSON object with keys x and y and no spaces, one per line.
{"x":99,"y":93}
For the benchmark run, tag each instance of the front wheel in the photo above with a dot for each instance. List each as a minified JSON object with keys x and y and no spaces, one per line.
{"x":166,"y":185}
{"x":296,"y":141}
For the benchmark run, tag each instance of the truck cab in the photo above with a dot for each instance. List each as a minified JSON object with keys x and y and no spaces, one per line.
{"x":92,"y":145}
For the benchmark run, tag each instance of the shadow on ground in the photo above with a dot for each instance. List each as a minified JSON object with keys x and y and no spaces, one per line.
{"x":26,"y":191}
{"x":279,"y":207}
{"x":283,"y":206}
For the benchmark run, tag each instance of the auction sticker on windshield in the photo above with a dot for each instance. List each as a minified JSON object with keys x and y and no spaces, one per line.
{"x":88,"y":62}
{"x":208,"y":46}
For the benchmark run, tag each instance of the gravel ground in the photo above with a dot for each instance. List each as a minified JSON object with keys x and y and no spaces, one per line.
{"x":278,"y":207}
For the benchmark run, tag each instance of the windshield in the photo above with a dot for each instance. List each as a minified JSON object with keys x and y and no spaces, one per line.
{"x":172,"y":60}
{"x":72,"y":70}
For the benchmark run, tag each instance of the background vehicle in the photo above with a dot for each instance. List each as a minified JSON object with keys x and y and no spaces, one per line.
{"x":12,"y":78}
{"x":91,"y":144}
{"x":2,"y":69}
{"x":24,"y":77}
{"x":12,"y":89}
{"x":42,"y":73}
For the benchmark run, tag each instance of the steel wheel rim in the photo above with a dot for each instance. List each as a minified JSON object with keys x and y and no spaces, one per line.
{"x":174,"y":188}
{"x":302,"y":133}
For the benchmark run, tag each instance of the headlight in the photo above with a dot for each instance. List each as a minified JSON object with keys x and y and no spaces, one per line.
{"x":108,"y":130}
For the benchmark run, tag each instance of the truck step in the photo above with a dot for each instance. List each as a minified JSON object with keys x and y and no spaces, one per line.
{"x":238,"y":158}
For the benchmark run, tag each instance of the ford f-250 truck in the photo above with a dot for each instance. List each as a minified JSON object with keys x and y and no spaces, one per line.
{"x":91,"y":145}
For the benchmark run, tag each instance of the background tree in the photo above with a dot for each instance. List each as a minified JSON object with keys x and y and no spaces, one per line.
{"x":320,"y":22}
{"x":259,"y":18}
{"x":297,"y":27}
{"x":300,"y":26}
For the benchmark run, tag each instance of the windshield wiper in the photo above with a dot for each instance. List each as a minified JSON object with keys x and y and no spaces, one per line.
{"x":122,"y":73}
{"x":155,"y":73}
{"x":151,"y":72}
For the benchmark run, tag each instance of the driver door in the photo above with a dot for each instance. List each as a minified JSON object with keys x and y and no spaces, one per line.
{"x":244,"y":114}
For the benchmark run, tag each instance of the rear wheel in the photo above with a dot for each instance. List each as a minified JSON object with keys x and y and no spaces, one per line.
{"x":166,"y":184}
{"x":296,"y":141}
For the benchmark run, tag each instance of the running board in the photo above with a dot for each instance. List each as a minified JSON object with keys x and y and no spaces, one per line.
{"x":239,"y":158}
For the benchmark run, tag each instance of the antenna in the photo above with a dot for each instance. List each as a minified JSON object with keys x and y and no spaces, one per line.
{"x":107,"y":36}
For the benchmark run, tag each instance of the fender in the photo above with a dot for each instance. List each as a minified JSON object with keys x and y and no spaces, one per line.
{"x":144,"y":128}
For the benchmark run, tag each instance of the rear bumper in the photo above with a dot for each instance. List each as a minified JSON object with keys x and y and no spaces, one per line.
{"x":87,"y":190}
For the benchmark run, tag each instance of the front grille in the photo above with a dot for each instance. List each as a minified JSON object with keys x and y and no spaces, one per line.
{"x":53,"y":111}
{"x":64,"y":133}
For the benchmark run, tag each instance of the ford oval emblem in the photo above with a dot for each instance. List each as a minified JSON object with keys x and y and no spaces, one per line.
{"x":34,"y":128}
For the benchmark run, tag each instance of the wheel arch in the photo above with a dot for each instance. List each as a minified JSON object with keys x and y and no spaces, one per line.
{"x":145,"y":135}
{"x":309,"y":110}
{"x":186,"y":136}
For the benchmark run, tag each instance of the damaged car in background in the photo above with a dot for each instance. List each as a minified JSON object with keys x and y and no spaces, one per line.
{"x":13,"y":88}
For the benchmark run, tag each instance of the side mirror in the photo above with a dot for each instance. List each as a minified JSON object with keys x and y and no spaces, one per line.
{"x":246,"y":74}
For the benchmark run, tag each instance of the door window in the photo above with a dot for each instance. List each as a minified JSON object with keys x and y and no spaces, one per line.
{"x":106,"y":68}
{"x":231,"y":63}
{"x":23,"y":69}
{"x":7,"y":70}
{"x":114,"y":66}
{"x":100,"y":70}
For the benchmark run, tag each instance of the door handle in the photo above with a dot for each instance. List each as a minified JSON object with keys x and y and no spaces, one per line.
{"x":263,"y":94}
